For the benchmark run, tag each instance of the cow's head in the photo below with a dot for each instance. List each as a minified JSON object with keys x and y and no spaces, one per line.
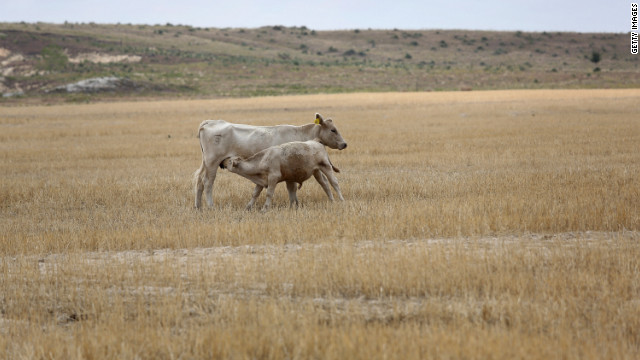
{"x":229,"y":163}
{"x":329,"y":135}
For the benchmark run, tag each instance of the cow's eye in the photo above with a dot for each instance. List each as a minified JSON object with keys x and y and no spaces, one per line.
{"x":333,"y":131}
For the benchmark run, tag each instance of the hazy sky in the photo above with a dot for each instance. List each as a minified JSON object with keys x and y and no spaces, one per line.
{"x":535,"y":15}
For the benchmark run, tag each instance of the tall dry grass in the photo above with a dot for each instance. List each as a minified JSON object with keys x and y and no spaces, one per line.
{"x":493,"y":224}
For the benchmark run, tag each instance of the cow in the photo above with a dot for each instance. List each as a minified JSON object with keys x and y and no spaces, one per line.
{"x":220,"y":139}
{"x":293,"y":162}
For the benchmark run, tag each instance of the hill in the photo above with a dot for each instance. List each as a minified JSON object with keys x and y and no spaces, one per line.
{"x":37,"y":61}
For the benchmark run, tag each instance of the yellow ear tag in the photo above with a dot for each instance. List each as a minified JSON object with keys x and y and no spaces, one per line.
{"x":317,"y":121}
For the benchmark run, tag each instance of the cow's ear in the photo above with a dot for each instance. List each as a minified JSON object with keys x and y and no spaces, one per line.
{"x":319,"y":119}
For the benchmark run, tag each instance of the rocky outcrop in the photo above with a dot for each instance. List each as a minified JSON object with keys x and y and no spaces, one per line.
{"x":96,"y":85}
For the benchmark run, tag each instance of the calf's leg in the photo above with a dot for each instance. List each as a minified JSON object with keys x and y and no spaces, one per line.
{"x":256,"y":192}
{"x":292,"y":189}
{"x":322,"y":180}
{"x":332,"y":179}
{"x":272,"y":181}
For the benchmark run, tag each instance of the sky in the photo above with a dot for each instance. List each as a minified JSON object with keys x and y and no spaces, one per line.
{"x":534,"y":15}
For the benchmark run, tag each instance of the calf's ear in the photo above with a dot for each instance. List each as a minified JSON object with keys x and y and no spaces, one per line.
{"x":319,"y":119}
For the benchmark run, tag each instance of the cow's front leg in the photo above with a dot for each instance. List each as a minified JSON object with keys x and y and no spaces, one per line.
{"x":292,"y":189}
{"x":256,"y":192}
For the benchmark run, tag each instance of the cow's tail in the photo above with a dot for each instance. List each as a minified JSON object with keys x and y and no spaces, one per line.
{"x":198,"y":177}
{"x":201,"y":173}
{"x":333,"y":167}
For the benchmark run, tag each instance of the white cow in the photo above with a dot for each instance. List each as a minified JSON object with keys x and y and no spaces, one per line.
{"x":220,"y":139}
{"x":293,"y":162}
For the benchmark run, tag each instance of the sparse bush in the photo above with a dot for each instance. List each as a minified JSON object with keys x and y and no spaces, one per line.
{"x":53,"y":58}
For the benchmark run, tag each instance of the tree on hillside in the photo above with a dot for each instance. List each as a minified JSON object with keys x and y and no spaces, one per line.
{"x":595,"y":58}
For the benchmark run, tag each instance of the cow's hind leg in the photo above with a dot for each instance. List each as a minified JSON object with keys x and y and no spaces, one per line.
{"x":209,"y":179}
{"x":292,"y":189}
{"x":322,"y":180}
{"x":332,"y":179}
{"x":256,"y":192}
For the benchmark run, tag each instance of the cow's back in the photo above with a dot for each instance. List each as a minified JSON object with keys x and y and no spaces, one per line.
{"x":220,"y":139}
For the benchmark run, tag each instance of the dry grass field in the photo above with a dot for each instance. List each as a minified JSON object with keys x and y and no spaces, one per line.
{"x":501,"y":224}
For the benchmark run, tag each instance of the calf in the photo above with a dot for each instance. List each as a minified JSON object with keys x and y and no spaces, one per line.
{"x":292,"y":162}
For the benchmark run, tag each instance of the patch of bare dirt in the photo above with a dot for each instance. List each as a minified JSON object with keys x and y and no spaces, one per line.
{"x":184,"y":256}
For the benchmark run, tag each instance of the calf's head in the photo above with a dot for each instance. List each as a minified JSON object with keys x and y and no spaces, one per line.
{"x":329,"y":135}
{"x":229,"y":163}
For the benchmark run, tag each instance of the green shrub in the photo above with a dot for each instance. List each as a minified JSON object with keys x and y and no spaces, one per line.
{"x":53,"y":58}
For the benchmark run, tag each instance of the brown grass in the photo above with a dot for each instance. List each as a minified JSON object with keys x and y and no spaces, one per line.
{"x":492,"y":224}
